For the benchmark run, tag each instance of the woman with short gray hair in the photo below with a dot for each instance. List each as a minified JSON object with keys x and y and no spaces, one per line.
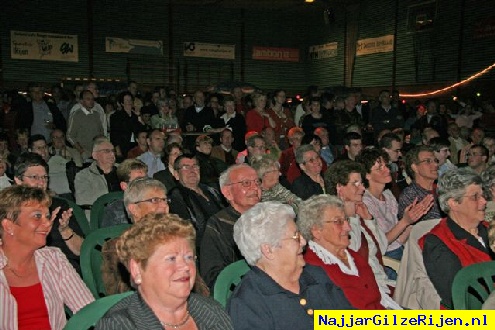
{"x":268,"y":171}
{"x":279,"y":292}
{"x":323,"y":223}
{"x":460,"y":239}
{"x":311,"y":180}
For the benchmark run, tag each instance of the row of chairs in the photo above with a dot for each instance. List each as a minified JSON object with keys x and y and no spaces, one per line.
{"x":471,"y":287}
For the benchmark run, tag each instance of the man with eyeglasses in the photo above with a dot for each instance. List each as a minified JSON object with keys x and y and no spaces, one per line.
{"x":32,"y":171}
{"x":99,"y":178}
{"x":422,"y":167}
{"x":191,"y":199}
{"x":240,"y":185}
{"x":477,"y":158}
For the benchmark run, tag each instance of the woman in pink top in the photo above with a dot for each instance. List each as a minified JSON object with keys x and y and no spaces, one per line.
{"x":35,"y":281}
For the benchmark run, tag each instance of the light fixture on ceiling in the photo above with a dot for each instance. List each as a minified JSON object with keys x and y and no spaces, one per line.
{"x":309,"y":1}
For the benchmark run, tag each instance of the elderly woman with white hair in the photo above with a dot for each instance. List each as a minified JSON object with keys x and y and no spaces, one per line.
{"x":323,"y":222}
{"x":460,"y":239}
{"x":280,"y":291}
{"x":268,"y":171}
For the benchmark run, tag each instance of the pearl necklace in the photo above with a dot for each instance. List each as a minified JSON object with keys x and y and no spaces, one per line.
{"x":178,"y":325}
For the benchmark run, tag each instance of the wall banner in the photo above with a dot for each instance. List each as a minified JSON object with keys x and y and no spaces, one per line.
{"x":44,"y":46}
{"x":383,"y":44}
{"x":198,"y":49}
{"x":275,"y":54}
{"x":133,"y":46}
{"x":317,"y":52}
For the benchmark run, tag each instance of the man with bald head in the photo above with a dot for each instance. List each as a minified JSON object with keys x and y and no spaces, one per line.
{"x":240,"y":185}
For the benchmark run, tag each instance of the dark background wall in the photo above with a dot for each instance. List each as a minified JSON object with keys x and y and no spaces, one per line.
{"x":449,"y":51}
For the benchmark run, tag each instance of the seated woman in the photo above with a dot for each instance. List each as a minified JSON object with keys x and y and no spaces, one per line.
{"x":159,"y":253}
{"x":323,"y":221}
{"x":279,"y":292}
{"x":460,"y":239}
{"x":311,"y":181}
{"x":35,"y":281}
{"x":66,"y":234}
{"x":383,"y":206}
{"x":268,"y":171}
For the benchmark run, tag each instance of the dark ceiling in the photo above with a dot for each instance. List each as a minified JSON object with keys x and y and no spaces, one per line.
{"x":253,"y":4}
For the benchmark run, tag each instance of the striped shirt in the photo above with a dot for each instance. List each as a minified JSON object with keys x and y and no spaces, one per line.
{"x":61,"y":285}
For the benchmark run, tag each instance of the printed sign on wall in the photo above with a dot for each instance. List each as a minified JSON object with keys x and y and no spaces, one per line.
{"x":317,"y":52}
{"x":375,"y":45}
{"x":43,"y":46}
{"x":133,"y":46}
{"x":198,"y":49}
{"x":276,"y":54}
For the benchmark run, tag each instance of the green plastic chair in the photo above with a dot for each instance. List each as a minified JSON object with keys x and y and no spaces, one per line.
{"x":90,"y":314}
{"x":228,"y":279}
{"x":91,"y":259}
{"x":472,"y":285}
{"x":98,"y":208}
{"x":80,"y":217}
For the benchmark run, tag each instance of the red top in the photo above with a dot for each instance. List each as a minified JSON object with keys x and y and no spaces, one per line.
{"x":255,"y":121}
{"x":361,"y":291}
{"x":31,"y":308}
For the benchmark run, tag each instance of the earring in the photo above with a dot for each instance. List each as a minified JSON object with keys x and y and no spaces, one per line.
{"x":138,"y":280}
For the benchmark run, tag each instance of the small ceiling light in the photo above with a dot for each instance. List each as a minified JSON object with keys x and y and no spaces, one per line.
{"x":309,"y":1}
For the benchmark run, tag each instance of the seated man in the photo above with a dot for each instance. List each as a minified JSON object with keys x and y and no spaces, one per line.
{"x":352,"y":145}
{"x":100,"y":177}
{"x":241,"y":187}
{"x":152,"y":157}
{"x":128,"y":171}
{"x":224,"y":150}
{"x":210,"y":167}
{"x":192,"y":200}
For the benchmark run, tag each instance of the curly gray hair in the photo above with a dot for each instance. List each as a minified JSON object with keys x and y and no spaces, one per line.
{"x":311,"y":212}
{"x":264,"y":223}
{"x":453,"y":183}
{"x":139,"y":187}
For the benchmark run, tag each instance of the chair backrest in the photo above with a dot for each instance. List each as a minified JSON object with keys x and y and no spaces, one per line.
{"x":91,"y":258}
{"x":98,"y":208}
{"x":228,"y":279}
{"x":90,"y":314}
{"x":80,"y":217}
{"x":472,"y":285}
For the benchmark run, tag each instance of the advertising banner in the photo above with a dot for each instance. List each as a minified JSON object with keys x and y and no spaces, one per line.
{"x":44,"y":46}
{"x":317,"y":52}
{"x":133,"y":46}
{"x":275,"y":54}
{"x":383,"y":44}
{"x":198,"y":49}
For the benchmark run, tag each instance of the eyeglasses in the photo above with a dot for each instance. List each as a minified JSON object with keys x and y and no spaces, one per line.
{"x":312,"y":160}
{"x":189,"y":167}
{"x":475,"y":197}
{"x":338,"y":221}
{"x":296,"y":237}
{"x":106,"y":151}
{"x":429,"y":161}
{"x":154,"y":200}
{"x":272,"y":171}
{"x":357,"y":183}
{"x":247,"y":183}
{"x":37,"y":177}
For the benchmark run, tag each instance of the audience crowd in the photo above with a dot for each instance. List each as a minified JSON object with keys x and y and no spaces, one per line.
{"x":323,"y":199}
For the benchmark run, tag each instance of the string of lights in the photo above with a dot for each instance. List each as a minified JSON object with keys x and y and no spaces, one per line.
{"x":460,"y":83}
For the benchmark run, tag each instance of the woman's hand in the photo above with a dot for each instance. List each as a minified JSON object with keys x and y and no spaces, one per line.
{"x":416,"y":210}
{"x":362,"y":211}
{"x":64,"y":220}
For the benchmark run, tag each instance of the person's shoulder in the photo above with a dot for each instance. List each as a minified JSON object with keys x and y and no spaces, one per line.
{"x":119,"y":316}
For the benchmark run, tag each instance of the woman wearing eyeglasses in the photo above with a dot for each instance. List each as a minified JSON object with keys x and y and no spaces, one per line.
{"x":280,"y":291}
{"x":311,"y":181}
{"x":323,"y":222}
{"x":36,"y":281}
{"x":460,"y":239}
{"x":66,"y":234}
